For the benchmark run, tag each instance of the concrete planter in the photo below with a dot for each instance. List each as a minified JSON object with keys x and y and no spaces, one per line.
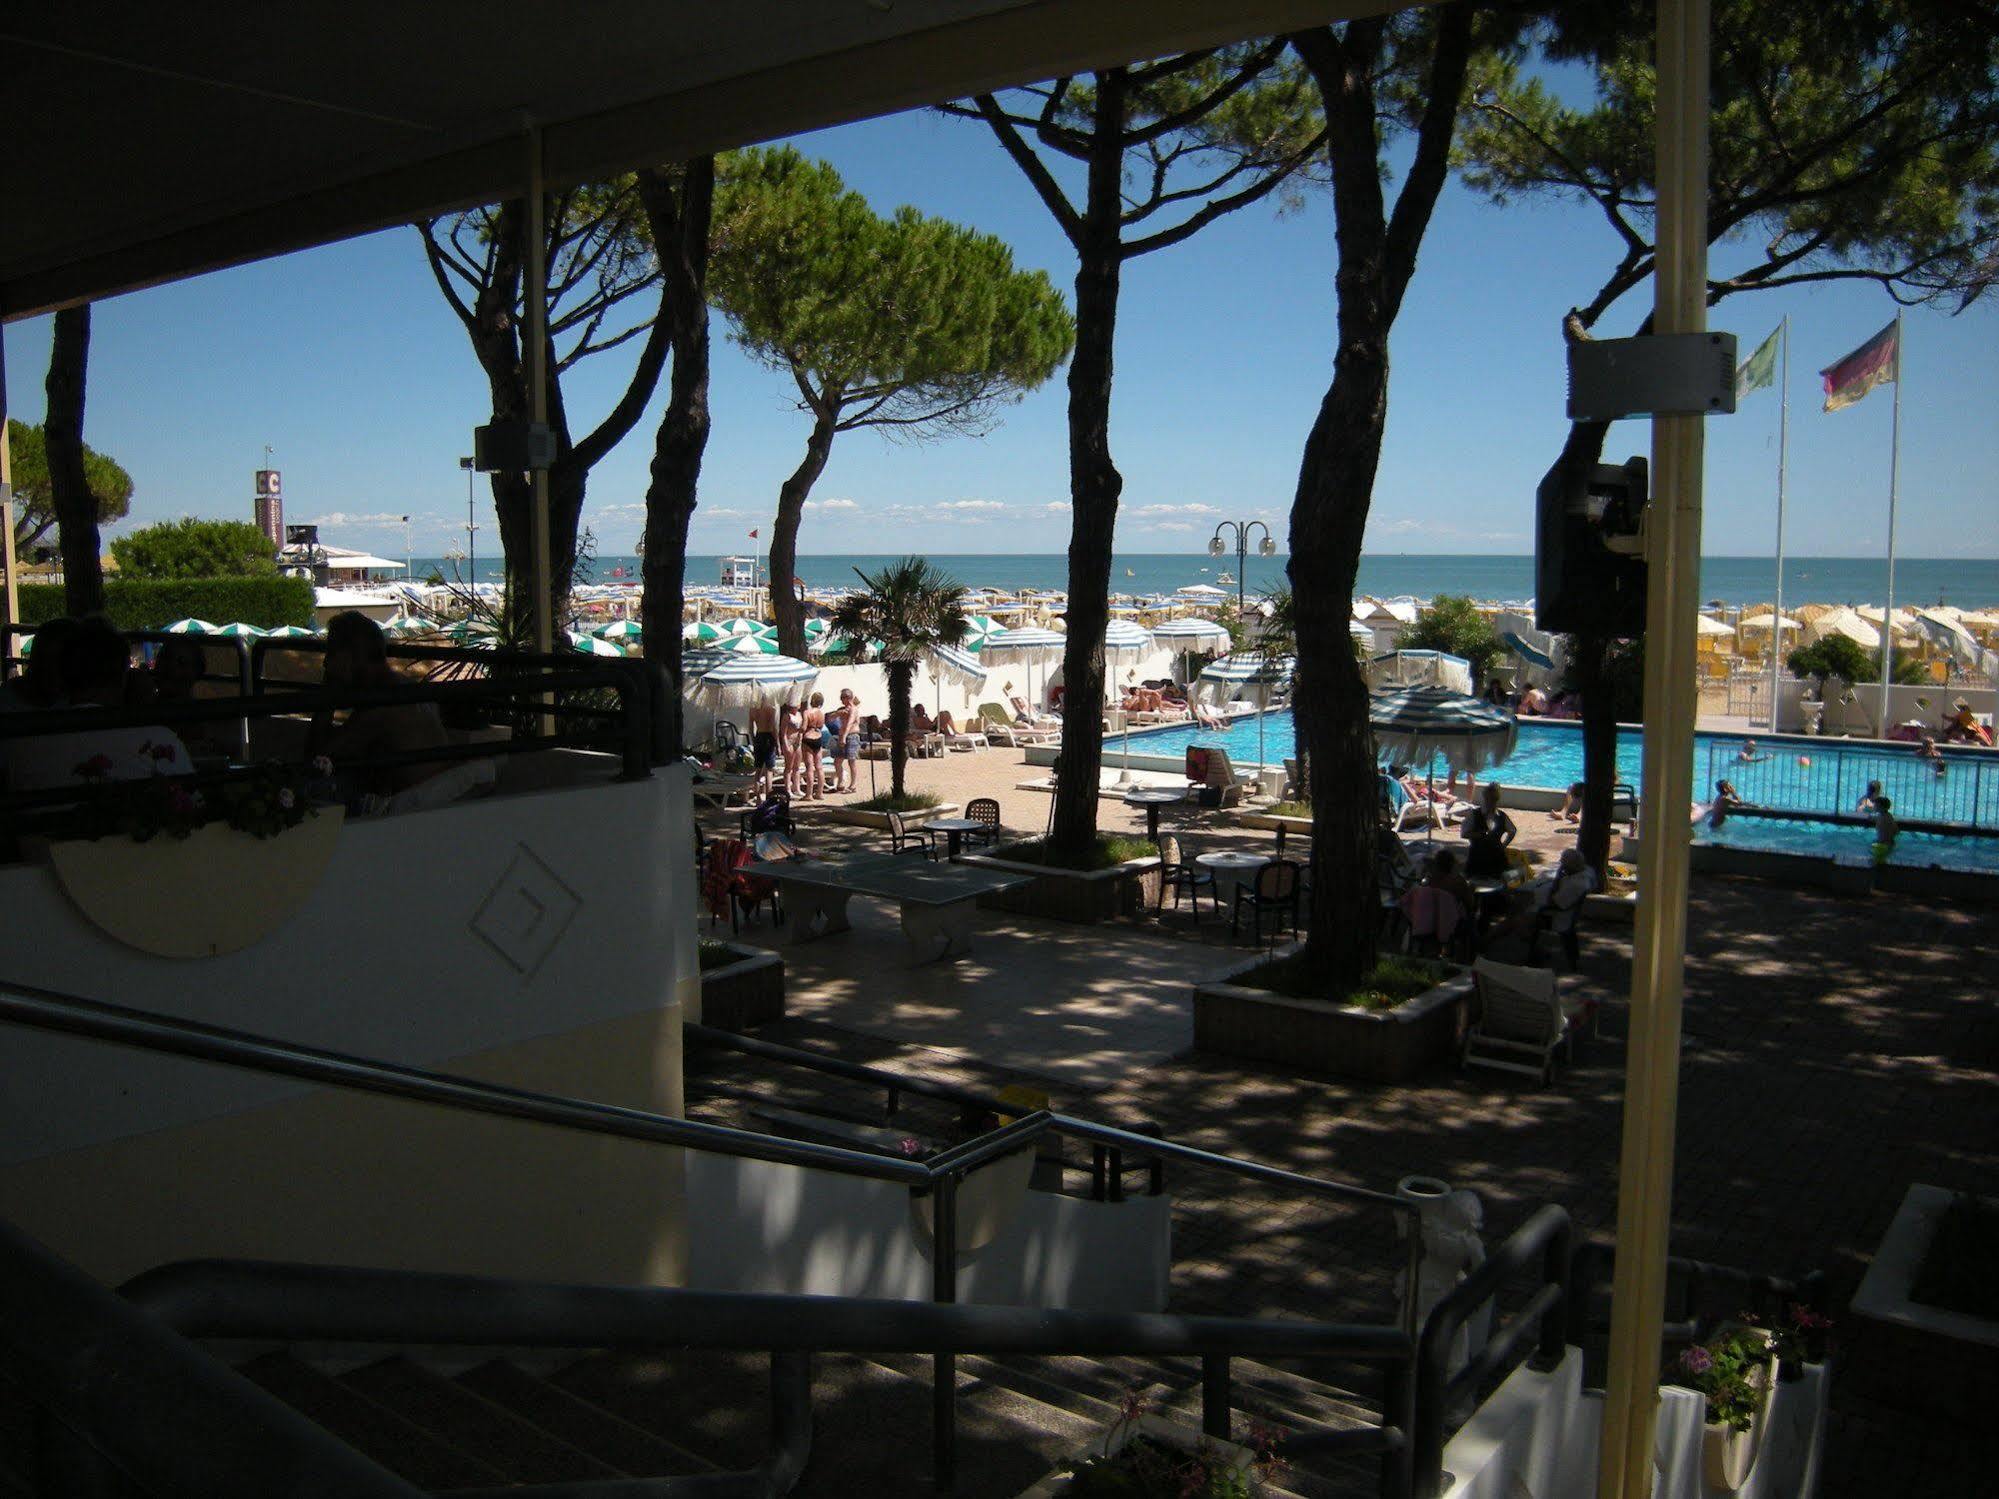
{"x":855,"y":817}
{"x":1074,"y":894}
{"x":1233,"y":1020}
{"x":1785,"y":869}
{"x":748,"y":991}
{"x":1227,"y":1455}
{"x":1892,"y":1333}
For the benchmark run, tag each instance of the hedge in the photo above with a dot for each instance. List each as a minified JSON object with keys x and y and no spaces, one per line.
{"x":151,"y":603}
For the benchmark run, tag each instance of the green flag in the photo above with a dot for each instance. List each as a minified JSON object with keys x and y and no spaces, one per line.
{"x":1760,"y":368}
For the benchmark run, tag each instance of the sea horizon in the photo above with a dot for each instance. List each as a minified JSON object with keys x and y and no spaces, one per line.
{"x":1730,"y":581}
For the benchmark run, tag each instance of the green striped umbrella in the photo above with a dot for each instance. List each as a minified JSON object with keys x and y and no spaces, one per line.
{"x":590,"y":645}
{"x":410,"y":624}
{"x":291,"y":632}
{"x":702,"y":632}
{"x":621,"y":629}
{"x":977,"y":628}
{"x":471,"y":631}
{"x":190,"y":627}
{"x":237,"y":629}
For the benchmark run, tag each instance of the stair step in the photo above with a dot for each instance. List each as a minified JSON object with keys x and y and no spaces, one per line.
{"x":712,"y":1404}
{"x":409,"y":1451}
{"x":588,"y":1428}
{"x":522,"y":1451}
{"x":1302,"y":1395}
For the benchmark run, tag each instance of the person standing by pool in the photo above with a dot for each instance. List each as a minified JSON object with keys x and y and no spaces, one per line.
{"x":847,"y":751}
{"x":789,"y":718}
{"x":1886,"y":829}
{"x":763,"y":745}
{"x":1488,"y":830}
{"x":813,"y":740}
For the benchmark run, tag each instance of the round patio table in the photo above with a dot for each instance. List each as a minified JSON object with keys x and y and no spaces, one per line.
{"x":954,"y":829}
{"x":1231,"y":871}
{"x":1152,"y":798}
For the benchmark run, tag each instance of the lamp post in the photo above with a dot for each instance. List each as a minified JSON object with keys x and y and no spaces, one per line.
{"x":1218,"y":548}
{"x":471,"y":528}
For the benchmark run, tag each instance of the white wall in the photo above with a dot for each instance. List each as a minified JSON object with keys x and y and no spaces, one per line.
{"x":754,"y":1226}
{"x":1859,"y":716}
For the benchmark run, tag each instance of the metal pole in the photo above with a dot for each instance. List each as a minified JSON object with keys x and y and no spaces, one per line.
{"x":535,"y":360}
{"x":944,"y":1366}
{"x":1645,"y":1180}
{"x":10,"y":603}
{"x":1894,"y":484}
{"x":1783,"y":443}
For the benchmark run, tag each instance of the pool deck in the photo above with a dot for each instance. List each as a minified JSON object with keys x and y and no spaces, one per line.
{"x":1835,"y":1050}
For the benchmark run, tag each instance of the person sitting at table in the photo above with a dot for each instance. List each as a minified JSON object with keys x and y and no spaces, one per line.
{"x":1563,"y":890}
{"x":357,"y":658}
{"x":95,"y":665}
{"x":1443,"y":874}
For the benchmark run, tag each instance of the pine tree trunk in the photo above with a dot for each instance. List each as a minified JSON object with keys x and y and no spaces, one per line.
{"x":900,"y":675}
{"x":69,"y":486}
{"x":680,"y":234}
{"x":785,"y":602}
{"x":1094,"y":483}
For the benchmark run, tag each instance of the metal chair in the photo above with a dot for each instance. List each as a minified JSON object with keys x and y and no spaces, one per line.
{"x":1275,"y":888}
{"x":985,"y":809}
{"x":1180,"y":875}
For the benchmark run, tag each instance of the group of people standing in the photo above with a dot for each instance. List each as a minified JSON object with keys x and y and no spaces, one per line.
{"x":800,"y":737}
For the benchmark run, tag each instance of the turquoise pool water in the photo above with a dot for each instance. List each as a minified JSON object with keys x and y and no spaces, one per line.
{"x":1831,"y":841}
{"x":1802,"y":775}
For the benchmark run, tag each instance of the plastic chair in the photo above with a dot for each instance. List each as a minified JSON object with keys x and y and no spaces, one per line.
{"x":904,"y":839}
{"x":1180,"y":875}
{"x":1275,"y":888}
{"x":985,"y":809}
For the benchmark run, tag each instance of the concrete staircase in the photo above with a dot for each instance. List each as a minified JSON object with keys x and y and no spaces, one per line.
{"x":499,"y":1423}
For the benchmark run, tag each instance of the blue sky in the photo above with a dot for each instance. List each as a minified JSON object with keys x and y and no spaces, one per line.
{"x":347,"y":362}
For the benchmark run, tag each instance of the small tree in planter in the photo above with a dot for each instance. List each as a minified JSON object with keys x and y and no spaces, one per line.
{"x":1145,"y":1458}
{"x":909,"y":606}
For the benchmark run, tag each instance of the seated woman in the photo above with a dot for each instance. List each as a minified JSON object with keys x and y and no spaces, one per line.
{"x":921,"y":721}
{"x":1443,"y":874}
{"x":357,"y":656}
{"x":1024,"y":716}
{"x":945,"y":723}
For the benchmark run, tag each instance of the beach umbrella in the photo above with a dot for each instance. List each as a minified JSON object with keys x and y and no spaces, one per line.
{"x":470,"y":630}
{"x":1025,"y":644}
{"x":291,"y":632}
{"x":1202,"y":591}
{"x":701,"y":632}
{"x":1232,"y":676}
{"x":237,"y":630}
{"x":590,"y":645}
{"x":1417,"y":725}
{"x":1125,"y":642}
{"x":1767,"y":621}
{"x":748,"y":680}
{"x":977,"y":628}
{"x":190,"y":627}
{"x":410,"y":624}
{"x":1844,"y":621}
{"x":1711,"y":627}
{"x":956,"y":665}
{"x":749,"y":645}
{"x":815,"y":626}
{"x":742,"y":624}
{"x":1191,"y":633}
{"x":621,"y":629}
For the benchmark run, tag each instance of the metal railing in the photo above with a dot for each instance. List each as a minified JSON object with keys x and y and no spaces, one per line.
{"x":939,"y":1178}
{"x":1825,"y":779}
{"x":1544,"y":1240}
{"x":1692,"y":1299}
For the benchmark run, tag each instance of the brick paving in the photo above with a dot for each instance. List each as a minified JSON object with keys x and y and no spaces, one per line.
{"x":1835,"y":1051}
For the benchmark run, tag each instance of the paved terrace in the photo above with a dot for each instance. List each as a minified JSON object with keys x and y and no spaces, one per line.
{"x":1836,"y":1050}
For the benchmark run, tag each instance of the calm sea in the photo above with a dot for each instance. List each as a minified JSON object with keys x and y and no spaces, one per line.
{"x":1967,"y":582}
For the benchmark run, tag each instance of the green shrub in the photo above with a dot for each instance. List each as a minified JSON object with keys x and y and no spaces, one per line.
{"x":1107,"y":853}
{"x":909,"y":801}
{"x":153,"y":603}
{"x":195,"y":548}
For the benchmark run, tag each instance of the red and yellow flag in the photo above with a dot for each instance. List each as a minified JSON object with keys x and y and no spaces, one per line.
{"x":1875,"y":362}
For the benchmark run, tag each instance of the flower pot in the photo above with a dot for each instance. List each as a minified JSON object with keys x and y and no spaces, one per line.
{"x":1729,"y":1455}
{"x":215,"y":891}
{"x":1166,"y":1434}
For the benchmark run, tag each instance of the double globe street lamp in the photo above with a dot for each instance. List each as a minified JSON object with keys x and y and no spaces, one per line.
{"x":1218,"y":548}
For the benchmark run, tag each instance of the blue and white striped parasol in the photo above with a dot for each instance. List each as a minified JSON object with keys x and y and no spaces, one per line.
{"x":1027,"y":644}
{"x":956,"y":665}
{"x":1190,"y":634}
{"x":1416,"y":725}
{"x":747,"y":680}
{"x":1123,"y":639}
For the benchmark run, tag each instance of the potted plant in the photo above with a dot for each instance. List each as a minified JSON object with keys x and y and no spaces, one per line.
{"x":1143,"y":1456}
{"x":1799,"y":1339}
{"x":1733,"y":1371}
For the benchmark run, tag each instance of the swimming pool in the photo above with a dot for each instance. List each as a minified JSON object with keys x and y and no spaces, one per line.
{"x":1805,"y":775}
{"x":1826,"y":840}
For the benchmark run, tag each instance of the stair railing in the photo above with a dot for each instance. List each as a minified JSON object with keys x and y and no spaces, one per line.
{"x":68,"y":1014}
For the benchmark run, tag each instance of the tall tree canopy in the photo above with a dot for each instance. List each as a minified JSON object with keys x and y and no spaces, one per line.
{"x":1166,"y":148}
{"x":909,"y":607}
{"x":600,"y":270}
{"x":912,"y":325}
{"x":110,"y":486}
{"x":1852,"y":140}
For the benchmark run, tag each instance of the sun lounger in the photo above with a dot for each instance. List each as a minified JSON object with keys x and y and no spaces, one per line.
{"x":1523,"y":1020}
{"x":1209,"y":769}
{"x":1004,"y":730}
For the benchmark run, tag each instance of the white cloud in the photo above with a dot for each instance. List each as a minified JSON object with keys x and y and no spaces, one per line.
{"x":835,"y":504}
{"x":1174,"y":525}
{"x":1189,"y":509}
{"x":971,"y":505}
{"x":1410,"y":526}
{"x":1057,"y":507}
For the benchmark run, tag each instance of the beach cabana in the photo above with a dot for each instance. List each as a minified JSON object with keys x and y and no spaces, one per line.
{"x":1414,"y":668}
{"x":1026,"y":645}
{"x":1847,"y":622}
{"x":1245,"y":674}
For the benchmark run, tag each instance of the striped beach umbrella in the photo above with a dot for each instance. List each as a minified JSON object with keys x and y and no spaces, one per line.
{"x":1025,"y":644}
{"x":956,"y":665}
{"x":410,"y":624}
{"x":747,"y":680}
{"x":590,"y":645}
{"x":1419,"y":725}
{"x":190,"y":627}
{"x":977,"y":628}
{"x":237,"y":630}
{"x":748,"y":645}
{"x":742,"y":624}
{"x":621,"y":629}
{"x":1123,"y":639}
{"x":1190,"y":634}
{"x":292,"y":632}
{"x":701,"y":632}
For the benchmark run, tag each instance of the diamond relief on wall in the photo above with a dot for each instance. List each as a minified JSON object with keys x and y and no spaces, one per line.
{"x":525,"y":914}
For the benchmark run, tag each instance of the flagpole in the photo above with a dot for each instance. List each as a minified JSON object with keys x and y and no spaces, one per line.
{"x":1894,"y":485}
{"x":1783,"y":442}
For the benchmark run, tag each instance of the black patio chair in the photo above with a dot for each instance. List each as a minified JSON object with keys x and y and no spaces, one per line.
{"x":904,"y":839}
{"x":1275,"y":888}
{"x":983,"y":809}
{"x":1180,"y":875}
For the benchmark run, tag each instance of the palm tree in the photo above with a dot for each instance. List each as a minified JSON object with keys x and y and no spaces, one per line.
{"x":909,"y":606}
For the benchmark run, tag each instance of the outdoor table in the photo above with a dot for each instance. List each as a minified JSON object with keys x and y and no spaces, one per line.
{"x":936,"y":899}
{"x":1152,"y":798}
{"x":954,"y":829}
{"x":1231,"y":871}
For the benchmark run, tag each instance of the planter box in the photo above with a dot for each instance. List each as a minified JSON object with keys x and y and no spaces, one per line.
{"x":1314,"y":1035}
{"x":855,"y":817}
{"x":1893,"y":1337}
{"x":1166,"y":1434}
{"x":743,"y":993}
{"x":1785,"y":869}
{"x":1073,"y":894}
